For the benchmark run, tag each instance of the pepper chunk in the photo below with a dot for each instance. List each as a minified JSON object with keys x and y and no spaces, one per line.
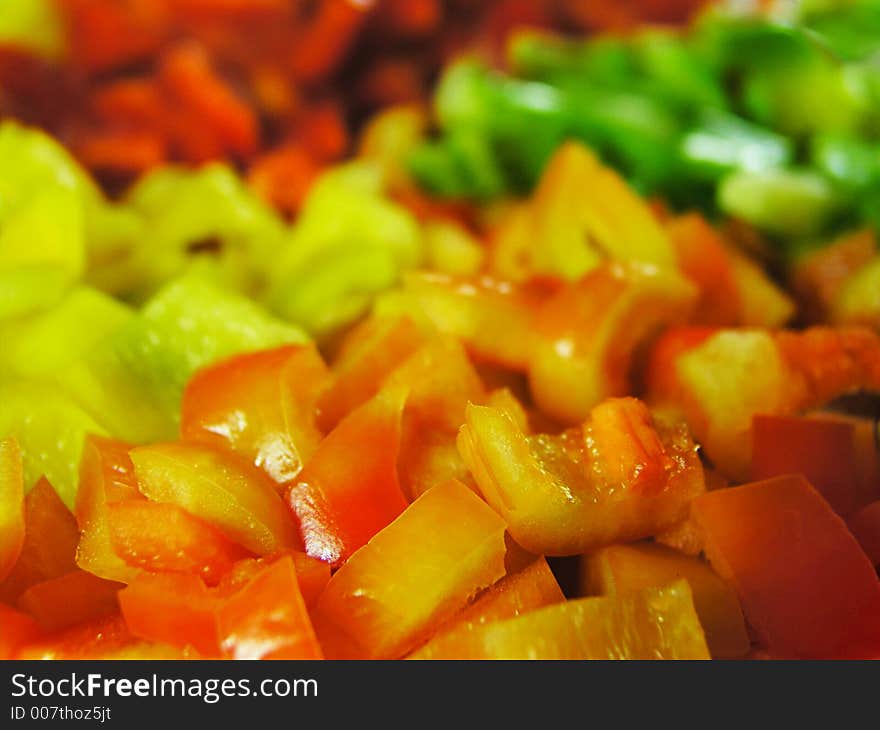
{"x":162,"y":537}
{"x":368,"y":355}
{"x":349,"y":490}
{"x":516,"y":594}
{"x":829,"y":451}
{"x":621,"y":476}
{"x":620,"y":569}
{"x":267,"y":618}
{"x":416,"y":573}
{"x":865,"y":525}
{"x":172,"y":608}
{"x":806,"y":586}
{"x":587,"y":333}
{"x":70,"y":599}
{"x":12,"y":520}
{"x":50,"y":539}
{"x":654,"y":623}
{"x":16,"y":630}
{"x":220,"y":488}
{"x":106,"y":476}
{"x":261,"y":405}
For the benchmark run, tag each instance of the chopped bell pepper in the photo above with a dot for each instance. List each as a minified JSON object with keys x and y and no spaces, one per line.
{"x":312,"y":575}
{"x":12,"y":510}
{"x":172,"y":608}
{"x":50,"y":428}
{"x":824,"y":449}
{"x":621,"y":569}
{"x":586,"y":335}
{"x":349,"y":489}
{"x":163,"y":538}
{"x":494,"y":319}
{"x":220,"y":488}
{"x":70,"y":599}
{"x":106,"y":476}
{"x":806,"y":586}
{"x":621,"y":476}
{"x":367,"y":356}
{"x":441,"y":382}
{"x":41,"y":344}
{"x":50,"y":540}
{"x":104,"y":638}
{"x":267,"y":618}
{"x":16,"y":630}
{"x":516,"y":594}
{"x":349,"y":243}
{"x":654,"y":623}
{"x":413,"y":575}
{"x":132,"y":381}
{"x":865,"y":525}
{"x":261,"y":405}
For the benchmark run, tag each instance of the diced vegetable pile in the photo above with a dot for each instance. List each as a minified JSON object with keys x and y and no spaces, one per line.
{"x":477,"y":357}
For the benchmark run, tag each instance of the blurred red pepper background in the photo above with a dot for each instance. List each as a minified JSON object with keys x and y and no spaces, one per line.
{"x":274,"y":85}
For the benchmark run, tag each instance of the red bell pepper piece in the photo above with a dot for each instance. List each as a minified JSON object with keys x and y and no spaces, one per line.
{"x":349,"y":490}
{"x":16,"y":630}
{"x":50,"y":541}
{"x":267,"y":618}
{"x":11,"y":505}
{"x":173,"y":608}
{"x":806,"y":586}
{"x":163,"y":538}
{"x":261,"y":405}
{"x":865,"y":525}
{"x":62,"y":602}
{"x":312,"y":575}
{"x":824,"y":450}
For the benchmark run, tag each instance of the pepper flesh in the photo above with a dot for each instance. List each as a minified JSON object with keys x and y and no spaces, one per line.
{"x":588,"y":487}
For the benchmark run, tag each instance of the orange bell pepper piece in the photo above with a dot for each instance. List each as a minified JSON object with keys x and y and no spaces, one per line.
{"x":703,"y":258}
{"x":16,"y":630}
{"x":106,"y":476}
{"x":349,"y":490}
{"x":441,"y":382}
{"x":654,"y":623}
{"x":806,"y":586}
{"x":494,"y":319}
{"x":261,"y":405}
{"x":172,"y":608}
{"x":623,"y":569}
{"x":70,"y":599}
{"x":267,"y":618}
{"x":220,"y":488}
{"x":12,"y":521}
{"x":865,"y":525}
{"x":371,"y":352}
{"x":586,"y":335}
{"x":718,"y":389}
{"x":621,"y":476}
{"x":518,"y":593}
{"x":163,"y":538}
{"x":824,"y":449}
{"x":50,"y":541}
{"x":412,"y":576}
